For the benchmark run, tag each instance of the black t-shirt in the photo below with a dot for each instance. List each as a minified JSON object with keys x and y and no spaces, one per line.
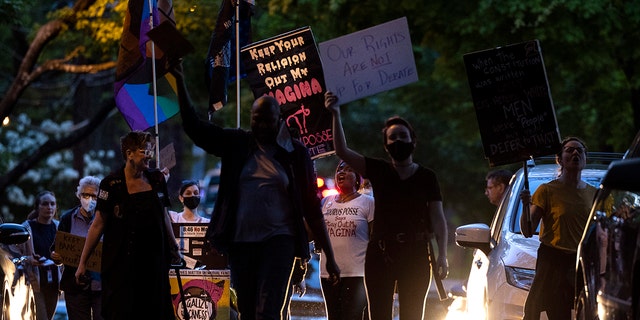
{"x":401,"y":206}
{"x":43,"y":237}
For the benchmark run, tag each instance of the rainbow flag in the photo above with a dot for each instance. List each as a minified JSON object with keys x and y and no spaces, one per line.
{"x":133,"y":87}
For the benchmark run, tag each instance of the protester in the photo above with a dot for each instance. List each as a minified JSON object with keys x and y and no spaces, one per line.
{"x":189,"y":196}
{"x":562,"y":206}
{"x":348,"y":216}
{"x":267,"y":193}
{"x":83,"y":300}
{"x":42,"y":272}
{"x":138,"y":245}
{"x":497,"y":183}
{"x":408,"y":210}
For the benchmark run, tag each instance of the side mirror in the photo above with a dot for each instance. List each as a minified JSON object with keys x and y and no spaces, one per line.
{"x":13,"y":233}
{"x":477,"y":236}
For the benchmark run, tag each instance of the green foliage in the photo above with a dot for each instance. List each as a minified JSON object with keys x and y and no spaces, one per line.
{"x":96,"y":31}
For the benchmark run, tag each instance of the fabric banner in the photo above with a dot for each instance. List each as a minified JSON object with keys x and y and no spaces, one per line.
{"x":288,"y":68}
{"x":207,"y":294}
{"x":133,"y":87}
{"x":220,"y":62}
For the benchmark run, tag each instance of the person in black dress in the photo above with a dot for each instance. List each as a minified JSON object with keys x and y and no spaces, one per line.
{"x":138,"y":242}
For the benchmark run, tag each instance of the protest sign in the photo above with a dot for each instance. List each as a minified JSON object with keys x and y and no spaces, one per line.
{"x":69,"y":246}
{"x":513,"y":102}
{"x":168,"y":156}
{"x":207,"y":294}
{"x":196,"y":251}
{"x":288,"y":68}
{"x":369,"y":61}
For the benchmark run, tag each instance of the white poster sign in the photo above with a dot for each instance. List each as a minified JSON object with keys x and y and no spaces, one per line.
{"x":369,"y":61}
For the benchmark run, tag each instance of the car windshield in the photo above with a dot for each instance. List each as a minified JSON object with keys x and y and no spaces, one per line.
{"x":534,"y":183}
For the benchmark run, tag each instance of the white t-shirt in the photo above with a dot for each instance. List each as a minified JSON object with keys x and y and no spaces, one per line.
{"x":347,"y":225}
{"x":177,"y":217}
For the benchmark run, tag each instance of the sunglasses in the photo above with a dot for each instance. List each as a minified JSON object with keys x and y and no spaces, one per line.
{"x":147,"y":152}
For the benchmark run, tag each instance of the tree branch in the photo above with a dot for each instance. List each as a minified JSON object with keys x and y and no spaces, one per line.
{"x":25,"y":75}
{"x":54,"y":145}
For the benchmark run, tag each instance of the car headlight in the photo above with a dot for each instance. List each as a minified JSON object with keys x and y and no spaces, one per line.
{"x":519,"y":277}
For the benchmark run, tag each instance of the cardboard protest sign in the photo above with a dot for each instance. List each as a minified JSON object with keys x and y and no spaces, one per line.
{"x":207,"y":294}
{"x":69,"y":246}
{"x":168,"y":156}
{"x":513,"y":102}
{"x":288,"y":68}
{"x":369,"y":61}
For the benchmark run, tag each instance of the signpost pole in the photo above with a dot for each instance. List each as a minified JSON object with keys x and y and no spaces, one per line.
{"x":525,"y":208}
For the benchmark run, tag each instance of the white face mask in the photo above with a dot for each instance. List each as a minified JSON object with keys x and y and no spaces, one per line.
{"x":88,"y":204}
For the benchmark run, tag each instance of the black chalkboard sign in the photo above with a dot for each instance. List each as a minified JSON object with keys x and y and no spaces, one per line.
{"x":513,"y":102}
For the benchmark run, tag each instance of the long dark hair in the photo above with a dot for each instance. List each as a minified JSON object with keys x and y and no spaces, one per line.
{"x":564,"y":143}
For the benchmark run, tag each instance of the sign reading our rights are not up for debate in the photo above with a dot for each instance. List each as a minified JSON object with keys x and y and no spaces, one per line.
{"x":369,"y":61}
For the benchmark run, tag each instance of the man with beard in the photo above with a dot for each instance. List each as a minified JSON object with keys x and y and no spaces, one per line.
{"x":408,"y":210}
{"x":563,"y":206}
{"x":267,"y":193}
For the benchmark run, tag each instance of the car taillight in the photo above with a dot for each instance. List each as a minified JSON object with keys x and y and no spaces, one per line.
{"x":519,"y":277}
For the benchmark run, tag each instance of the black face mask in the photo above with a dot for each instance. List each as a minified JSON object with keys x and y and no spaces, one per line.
{"x":399,"y":150}
{"x":191,"y":202}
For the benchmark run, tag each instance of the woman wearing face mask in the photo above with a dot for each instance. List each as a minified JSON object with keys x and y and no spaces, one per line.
{"x":84,"y":299}
{"x":408,"y":210}
{"x":189,"y":196}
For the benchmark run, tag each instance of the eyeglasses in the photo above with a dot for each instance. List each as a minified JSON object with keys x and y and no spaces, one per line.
{"x":572,"y":149}
{"x":147,"y":152}
{"x":88,"y":195}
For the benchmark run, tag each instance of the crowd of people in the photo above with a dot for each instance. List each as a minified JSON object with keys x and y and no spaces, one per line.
{"x":373,"y":245}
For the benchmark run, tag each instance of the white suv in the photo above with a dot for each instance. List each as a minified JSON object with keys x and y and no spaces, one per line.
{"x":504,"y":260}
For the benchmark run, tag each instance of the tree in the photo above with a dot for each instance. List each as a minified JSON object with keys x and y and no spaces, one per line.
{"x":30,"y":70}
{"x":588,"y":47}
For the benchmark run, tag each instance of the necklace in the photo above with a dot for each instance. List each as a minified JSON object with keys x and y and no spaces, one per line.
{"x":348,"y":197}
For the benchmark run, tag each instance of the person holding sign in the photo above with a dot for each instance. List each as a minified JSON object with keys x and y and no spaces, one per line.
{"x":82,"y":299}
{"x":562,"y":206}
{"x":267,"y":193}
{"x":408,"y":210}
{"x":138,"y":245}
{"x":348,"y":216}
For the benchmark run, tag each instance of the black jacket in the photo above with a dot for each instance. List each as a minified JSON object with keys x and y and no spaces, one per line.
{"x":234,"y":146}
